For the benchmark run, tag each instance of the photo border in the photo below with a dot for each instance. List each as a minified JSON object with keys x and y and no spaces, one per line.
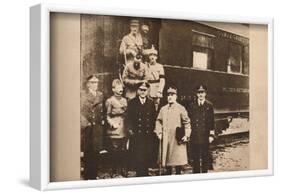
{"x":40,"y":95}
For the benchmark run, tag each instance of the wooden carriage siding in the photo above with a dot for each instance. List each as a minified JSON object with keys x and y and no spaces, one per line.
{"x":101,"y":37}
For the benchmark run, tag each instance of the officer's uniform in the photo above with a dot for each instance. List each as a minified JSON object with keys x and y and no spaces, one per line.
{"x":202,"y":122}
{"x":156,"y":76}
{"x":92,"y":123}
{"x":141,"y":121}
{"x":116,"y":107}
{"x":171,"y":117}
{"x":131,"y":42}
{"x":132,"y":77}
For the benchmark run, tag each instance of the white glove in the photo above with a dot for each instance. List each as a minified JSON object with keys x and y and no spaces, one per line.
{"x":185,"y":139}
{"x":159,"y":135}
{"x":211,"y":139}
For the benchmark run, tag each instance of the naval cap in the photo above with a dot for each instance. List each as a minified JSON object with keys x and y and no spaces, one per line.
{"x":144,"y":85}
{"x":201,"y":87}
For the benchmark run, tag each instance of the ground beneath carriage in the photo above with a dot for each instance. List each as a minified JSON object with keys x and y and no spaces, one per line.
{"x":229,"y":156}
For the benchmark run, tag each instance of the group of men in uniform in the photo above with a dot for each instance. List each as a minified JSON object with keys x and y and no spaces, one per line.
{"x":136,"y":128}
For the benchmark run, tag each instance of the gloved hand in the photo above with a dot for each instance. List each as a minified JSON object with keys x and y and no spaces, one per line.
{"x":185,"y":139}
{"x":211,"y":139}
{"x":159,"y":135}
{"x":131,"y":132}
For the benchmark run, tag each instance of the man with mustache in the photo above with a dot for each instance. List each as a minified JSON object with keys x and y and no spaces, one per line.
{"x":132,"y":42}
{"x":172,"y":118}
{"x":116,"y":107}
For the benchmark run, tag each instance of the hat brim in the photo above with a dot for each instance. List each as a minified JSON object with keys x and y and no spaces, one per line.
{"x":142,"y":87}
{"x":134,"y":25}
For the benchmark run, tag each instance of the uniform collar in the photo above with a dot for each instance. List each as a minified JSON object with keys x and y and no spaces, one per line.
{"x":172,"y":105}
{"x":93,"y":93}
{"x":200,"y":102}
{"x":117,"y":97}
{"x":132,"y":36}
{"x":142,"y":100}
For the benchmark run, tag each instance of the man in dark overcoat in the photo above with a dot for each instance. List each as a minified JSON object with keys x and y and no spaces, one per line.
{"x":92,"y":127}
{"x":201,"y":115}
{"x":141,"y":123}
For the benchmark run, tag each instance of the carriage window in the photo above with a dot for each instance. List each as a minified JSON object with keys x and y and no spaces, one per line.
{"x":234,"y":64}
{"x":202,"y":50}
{"x":200,"y":60}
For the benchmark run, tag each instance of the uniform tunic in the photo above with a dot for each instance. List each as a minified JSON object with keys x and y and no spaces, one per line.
{"x":92,"y":128}
{"x":202,"y":122}
{"x":141,"y":120}
{"x":169,"y":118}
{"x":92,"y":121}
{"x":131,"y":42}
{"x":116,"y":108}
{"x":132,"y":77}
{"x":156,"y":79}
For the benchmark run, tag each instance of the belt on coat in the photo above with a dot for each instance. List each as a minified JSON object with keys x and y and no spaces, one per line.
{"x":117,"y":115}
{"x":154,"y":81}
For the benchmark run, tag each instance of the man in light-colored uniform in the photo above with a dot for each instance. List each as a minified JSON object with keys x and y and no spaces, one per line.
{"x":173,"y":116}
{"x":116,"y":107}
{"x":132,"y":42}
{"x":156,"y":76}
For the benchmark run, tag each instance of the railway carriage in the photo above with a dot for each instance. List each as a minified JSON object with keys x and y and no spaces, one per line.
{"x":192,"y":53}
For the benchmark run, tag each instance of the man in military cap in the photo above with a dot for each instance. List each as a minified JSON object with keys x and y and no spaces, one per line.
{"x":156,"y":76}
{"x":141,"y":123}
{"x":132,"y":42}
{"x":171,"y":119}
{"x":201,"y":114}
{"x":135,"y":72}
{"x":92,"y":127}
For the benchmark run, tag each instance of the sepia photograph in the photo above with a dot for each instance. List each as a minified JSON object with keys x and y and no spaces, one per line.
{"x":134,"y":97}
{"x":138,"y":99}
{"x":161,"y":97}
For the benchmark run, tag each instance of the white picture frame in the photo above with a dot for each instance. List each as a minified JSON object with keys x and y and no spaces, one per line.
{"x":40,"y":96}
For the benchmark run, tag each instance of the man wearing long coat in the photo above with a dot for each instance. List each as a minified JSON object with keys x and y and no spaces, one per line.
{"x":141,"y":123}
{"x":201,"y":114}
{"x":92,"y":127}
{"x":172,"y":116}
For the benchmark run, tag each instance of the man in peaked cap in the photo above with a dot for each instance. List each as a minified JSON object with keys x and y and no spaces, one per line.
{"x":201,"y":114}
{"x":132,"y":42}
{"x":92,"y":127}
{"x":172,"y":117}
{"x":141,"y":123}
{"x":156,"y":76}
